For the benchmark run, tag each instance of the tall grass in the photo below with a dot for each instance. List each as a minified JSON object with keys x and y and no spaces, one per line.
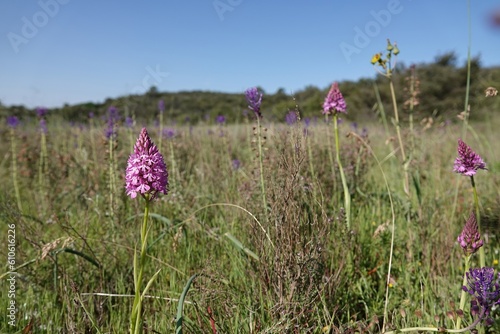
{"x":286,"y":274}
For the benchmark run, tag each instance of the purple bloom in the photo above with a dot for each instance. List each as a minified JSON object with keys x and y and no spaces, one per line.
{"x":236,"y":164}
{"x":470,"y":239}
{"x":468,"y":161}
{"x":91,"y":115}
{"x":161,"y":106}
{"x":291,"y":117}
{"x":41,"y":112}
{"x":254,"y":99}
{"x":169,"y":133}
{"x":220,"y":119}
{"x":307,"y":121}
{"x":334,"y":101}
{"x":146,"y":172}
{"x":129,"y":122}
{"x":12,"y":121}
{"x":113,"y":118}
{"x":43,"y":125}
{"x":485,"y":289}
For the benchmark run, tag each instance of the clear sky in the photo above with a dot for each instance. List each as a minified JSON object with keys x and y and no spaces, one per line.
{"x":70,"y":51}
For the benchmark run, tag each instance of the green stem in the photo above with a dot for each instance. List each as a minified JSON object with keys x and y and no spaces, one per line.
{"x":136,"y":319}
{"x":482,"y":259}
{"x":161,"y":131}
{"x":311,"y":165}
{"x":261,"y":167}
{"x":111,"y":177}
{"x":347,"y":194}
{"x":406,"y":184}
{"x":381,"y":109}
{"x":14,"y":169}
{"x":463,"y":294}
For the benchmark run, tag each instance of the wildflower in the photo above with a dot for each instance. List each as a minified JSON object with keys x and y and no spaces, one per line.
{"x":470,"y":239}
{"x":254,"y":99}
{"x":161,"y":106}
{"x":91,"y":115}
{"x":41,"y":112}
{"x":113,"y":117}
{"x":129,"y":122}
{"x":481,"y":284}
{"x":169,"y":133}
{"x":236,"y":164}
{"x":376,"y":58}
{"x":220,"y":119}
{"x":334,"y":101}
{"x":468,"y":161}
{"x":43,"y":125}
{"x":146,"y":172}
{"x":291,"y":117}
{"x":12,"y":121}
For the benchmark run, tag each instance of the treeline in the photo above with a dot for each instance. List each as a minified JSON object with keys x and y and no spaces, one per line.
{"x":441,"y":94}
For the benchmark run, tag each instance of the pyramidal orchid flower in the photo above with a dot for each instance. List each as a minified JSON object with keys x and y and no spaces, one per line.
{"x":146,"y":172}
{"x":334,"y":101}
{"x":468,"y":162}
{"x":470,"y":239}
{"x":254,"y":99}
{"x":485,"y":289}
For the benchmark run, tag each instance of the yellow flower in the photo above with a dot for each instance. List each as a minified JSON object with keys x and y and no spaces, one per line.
{"x":376,"y":58}
{"x":495,"y":262}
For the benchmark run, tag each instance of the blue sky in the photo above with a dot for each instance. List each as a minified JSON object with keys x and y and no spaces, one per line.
{"x":70,"y":51}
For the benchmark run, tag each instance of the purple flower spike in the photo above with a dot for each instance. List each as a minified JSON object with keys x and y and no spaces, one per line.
{"x":41,"y":112}
{"x":470,"y":239}
{"x":334,"y":101}
{"x":254,"y":99}
{"x":236,"y":164}
{"x":43,"y":125}
{"x":146,"y":172}
{"x":468,"y":161}
{"x":220,"y":119}
{"x":12,"y":121}
{"x":291,"y":117}
{"x":129,"y":122}
{"x":161,"y":106}
{"x":169,"y":133}
{"x":485,"y":289}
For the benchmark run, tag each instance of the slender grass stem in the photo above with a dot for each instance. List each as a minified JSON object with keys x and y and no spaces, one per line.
{"x":406,"y":184}
{"x":14,"y":168}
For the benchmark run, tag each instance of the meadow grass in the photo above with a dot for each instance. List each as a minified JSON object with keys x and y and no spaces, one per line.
{"x":295,"y":268}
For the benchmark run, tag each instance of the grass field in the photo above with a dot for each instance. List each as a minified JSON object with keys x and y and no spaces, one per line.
{"x":293,"y":267}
